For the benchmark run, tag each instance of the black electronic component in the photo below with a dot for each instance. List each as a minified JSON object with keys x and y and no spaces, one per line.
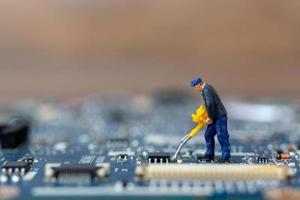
{"x":122,"y":157}
{"x":14,"y":133}
{"x":262,"y":160}
{"x":91,"y":170}
{"x":158,"y":157}
{"x":14,"y":166}
{"x":76,"y":173}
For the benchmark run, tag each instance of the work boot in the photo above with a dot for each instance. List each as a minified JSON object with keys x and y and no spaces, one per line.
{"x":223,"y":160}
{"x":206,"y":158}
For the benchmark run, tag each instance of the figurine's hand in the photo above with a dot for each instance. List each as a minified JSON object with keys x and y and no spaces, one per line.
{"x":208,"y":120}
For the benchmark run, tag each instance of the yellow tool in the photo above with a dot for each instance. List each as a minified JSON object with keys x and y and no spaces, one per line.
{"x":198,"y":117}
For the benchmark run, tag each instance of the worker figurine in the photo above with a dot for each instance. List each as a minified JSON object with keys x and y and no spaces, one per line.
{"x":216,"y":120}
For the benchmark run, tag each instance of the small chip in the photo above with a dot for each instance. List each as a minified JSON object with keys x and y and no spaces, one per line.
{"x":122,"y":157}
{"x":158,"y":157}
{"x":262,"y":160}
{"x":16,"y":166}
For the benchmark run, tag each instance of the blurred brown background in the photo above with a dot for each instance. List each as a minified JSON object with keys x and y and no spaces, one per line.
{"x":61,"y":48}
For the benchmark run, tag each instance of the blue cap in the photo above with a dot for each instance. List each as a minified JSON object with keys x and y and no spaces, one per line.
{"x":196,"y":82}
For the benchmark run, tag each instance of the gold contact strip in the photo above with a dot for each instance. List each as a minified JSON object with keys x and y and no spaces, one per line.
{"x":212,"y":172}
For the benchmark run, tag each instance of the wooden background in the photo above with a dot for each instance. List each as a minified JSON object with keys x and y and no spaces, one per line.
{"x":70,"y":48}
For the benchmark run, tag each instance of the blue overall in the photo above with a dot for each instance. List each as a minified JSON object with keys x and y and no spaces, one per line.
{"x":219,"y":128}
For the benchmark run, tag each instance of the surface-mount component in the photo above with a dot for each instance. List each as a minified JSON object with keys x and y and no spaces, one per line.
{"x":158,"y":157}
{"x":282,"y":156}
{"x":122,"y":157}
{"x":15,"y":166}
{"x":70,"y":172}
{"x":262,"y":160}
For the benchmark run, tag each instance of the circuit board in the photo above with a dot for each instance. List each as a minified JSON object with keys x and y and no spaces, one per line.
{"x":121,"y":148}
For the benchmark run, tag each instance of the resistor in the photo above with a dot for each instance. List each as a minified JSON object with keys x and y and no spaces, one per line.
{"x":282,"y":156}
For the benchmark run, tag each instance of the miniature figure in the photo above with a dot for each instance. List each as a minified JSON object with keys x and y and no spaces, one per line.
{"x":216,"y":120}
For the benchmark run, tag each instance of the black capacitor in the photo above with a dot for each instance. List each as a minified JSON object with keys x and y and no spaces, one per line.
{"x":14,"y":133}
